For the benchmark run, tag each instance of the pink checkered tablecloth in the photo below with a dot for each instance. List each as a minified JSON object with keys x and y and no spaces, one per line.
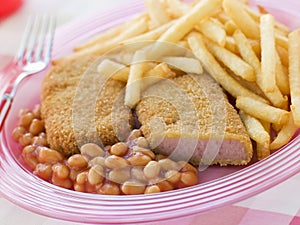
{"x":280,"y":205}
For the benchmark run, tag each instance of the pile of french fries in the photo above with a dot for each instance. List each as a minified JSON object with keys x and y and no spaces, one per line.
{"x":255,"y":58}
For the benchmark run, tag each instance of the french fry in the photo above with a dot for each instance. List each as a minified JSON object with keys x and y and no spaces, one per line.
{"x":282,"y":79}
{"x":223,"y":17}
{"x":230,"y":45}
{"x":188,"y":65}
{"x":112,"y":69}
{"x":281,"y":41}
{"x":100,"y":48}
{"x":241,"y":18}
{"x":213,"y":31}
{"x":151,"y":35}
{"x":216,"y":71}
{"x":157,"y":12}
{"x":256,"y":47}
{"x":262,"y":110}
{"x":187,"y":22}
{"x":285,"y":134}
{"x":158,"y":73}
{"x":257,"y":133}
{"x":266,"y":80}
{"x":133,"y":86}
{"x":110,"y":33}
{"x":177,"y":8}
{"x":294,"y":74}
{"x":232,"y":61}
{"x":284,"y":55}
{"x":247,"y":51}
{"x":230,"y":27}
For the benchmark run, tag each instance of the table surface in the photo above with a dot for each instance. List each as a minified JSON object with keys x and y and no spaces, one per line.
{"x":279,"y":205}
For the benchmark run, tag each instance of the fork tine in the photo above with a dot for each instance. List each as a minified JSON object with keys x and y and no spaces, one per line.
{"x":20,"y":54}
{"x":42,"y":36}
{"x":33,"y":38}
{"x":49,"y":43}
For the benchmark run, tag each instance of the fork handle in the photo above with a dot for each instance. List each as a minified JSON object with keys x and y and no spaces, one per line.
{"x":4,"y":107}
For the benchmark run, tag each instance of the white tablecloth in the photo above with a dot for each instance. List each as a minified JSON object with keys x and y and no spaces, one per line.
{"x":279,"y":205}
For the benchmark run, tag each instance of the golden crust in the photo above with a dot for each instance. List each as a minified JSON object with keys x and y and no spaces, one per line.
{"x":214,"y":116}
{"x":74,"y":97}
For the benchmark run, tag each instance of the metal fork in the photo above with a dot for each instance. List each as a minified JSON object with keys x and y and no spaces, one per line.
{"x":33,"y":56}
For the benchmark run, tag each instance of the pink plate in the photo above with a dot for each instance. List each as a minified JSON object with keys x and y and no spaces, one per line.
{"x":219,"y":186}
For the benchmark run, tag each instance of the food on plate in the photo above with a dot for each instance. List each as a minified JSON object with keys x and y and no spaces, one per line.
{"x":200,"y":80}
{"x":215,"y":122}
{"x":128,"y":167}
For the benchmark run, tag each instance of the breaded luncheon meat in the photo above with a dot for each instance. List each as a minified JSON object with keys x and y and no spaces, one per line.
{"x":79,"y":105}
{"x":189,"y":118}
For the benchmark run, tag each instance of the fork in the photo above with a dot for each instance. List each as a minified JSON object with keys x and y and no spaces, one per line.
{"x":32,"y":57}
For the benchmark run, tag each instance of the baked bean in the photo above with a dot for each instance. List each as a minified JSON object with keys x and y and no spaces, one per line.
{"x":26,"y":119}
{"x":73,"y":174}
{"x":145,"y":151}
{"x":138,"y":174}
{"x":173,"y":176}
{"x":159,"y":157}
{"x":82,"y":177}
{"x":139,"y":159}
{"x":115,"y":162}
{"x":65,"y":183}
{"x":79,"y":187}
{"x":133,"y":188}
{"x":28,"y":149}
{"x":96,"y":175}
{"x":43,"y":171}
{"x":152,"y":169}
{"x":119,"y":175}
{"x":37,"y":111}
{"x":36,"y":127}
{"x":189,"y":178}
{"x":30,"y":160}
{"x":18,"y":132}
{"x":23,"y":112}
{"x":185,"y":166}
{"x":109,"y":189}
{"x":134,"y":135}
{"x":26,"y":139}
{"x":165,"y":186}
{"x":92,"y":150}
{"x":168,"y":164}
{"x":97,"y":161}
{"x":119,"y":149}
{"x":152,"y":189}
{"x":47,"y":155}
{"x":142,"y":142}
{"x":77,"y":161}
{"x":40,"y":141}
{"x":61,"y":170}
